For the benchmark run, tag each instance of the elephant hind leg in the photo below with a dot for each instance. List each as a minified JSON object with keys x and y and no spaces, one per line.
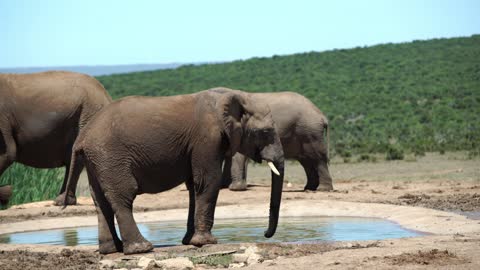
{"x":7,"y":157}
{"x":120,"y":191}
{"x":107,"y":235}
{"x":313,"y":180}
{"x":8,"y":150}
{"x":238,"y":171}
{"x":318,"y":177}
{"x":191,"y":213}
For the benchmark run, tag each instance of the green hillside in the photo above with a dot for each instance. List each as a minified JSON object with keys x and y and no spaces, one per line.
{"x":418,"y":96}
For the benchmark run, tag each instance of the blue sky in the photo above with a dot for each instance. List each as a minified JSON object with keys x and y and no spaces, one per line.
{"x":94,"y":32}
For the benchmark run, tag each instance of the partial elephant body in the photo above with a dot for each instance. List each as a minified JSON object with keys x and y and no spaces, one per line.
{"x":151,"y":144}
{"x":5,"y":194}
{"x":302,"y":128}
{"x":41,"y":115}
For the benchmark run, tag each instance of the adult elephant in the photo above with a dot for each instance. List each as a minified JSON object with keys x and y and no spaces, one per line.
{"x":303,"y":131}
{"x":152,"y":144}
{"x":41,"y":115}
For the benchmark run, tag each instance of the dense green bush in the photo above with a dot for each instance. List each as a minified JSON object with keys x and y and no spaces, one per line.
{"x":425,"y":94}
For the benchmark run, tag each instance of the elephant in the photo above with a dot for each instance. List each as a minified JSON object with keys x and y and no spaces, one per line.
{"x":142,"y":145}
{"x":5,"y":194}
{"x":41,"y":115}
{"x":302,"y":128}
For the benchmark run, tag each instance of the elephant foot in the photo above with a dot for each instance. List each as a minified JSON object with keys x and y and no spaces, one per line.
{"x":202,"y":238}
{"x":137,"y":247}
{"x":310,"y":188}
{"x":325,"y":187}
{"x":109,"y":247}
{"x":238,"y":186}
{"x":59,"y":201}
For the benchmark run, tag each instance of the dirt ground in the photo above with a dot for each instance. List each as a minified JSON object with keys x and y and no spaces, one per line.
{"x":410,"y":193}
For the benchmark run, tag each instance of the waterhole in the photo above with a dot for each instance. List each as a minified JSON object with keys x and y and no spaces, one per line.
{"x":292,"y":230}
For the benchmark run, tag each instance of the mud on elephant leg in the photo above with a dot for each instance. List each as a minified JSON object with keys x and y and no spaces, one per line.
{"x":238,"y":172}
{"x":108,"y":240}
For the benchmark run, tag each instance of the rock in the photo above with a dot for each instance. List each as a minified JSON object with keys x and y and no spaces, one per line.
{"x":253,"y":259}
{"x":145,"y":262}
{"x":240,"y":258}
{"x":66,"y":252}
{"x":252,"y":256}
{"x":106,"y":264}
{"x":268,"y":262}
{"x":179,"y":263}
{"x":251,"y":250}
{"x":236,"y":265}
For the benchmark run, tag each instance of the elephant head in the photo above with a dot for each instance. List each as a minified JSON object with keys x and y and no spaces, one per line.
{"x":250,"y":130}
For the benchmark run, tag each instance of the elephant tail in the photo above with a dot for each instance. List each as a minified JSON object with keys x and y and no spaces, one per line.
{"x":327,"y":135}
{"x":76,"y":167}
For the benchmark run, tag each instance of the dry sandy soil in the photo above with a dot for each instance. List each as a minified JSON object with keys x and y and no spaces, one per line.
{"x":434,"y":194}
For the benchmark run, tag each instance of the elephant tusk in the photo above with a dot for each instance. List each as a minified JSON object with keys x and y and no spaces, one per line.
{"x":270,"y":164}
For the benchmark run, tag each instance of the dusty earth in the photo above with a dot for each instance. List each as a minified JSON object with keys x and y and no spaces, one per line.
{"x":436,"y":194}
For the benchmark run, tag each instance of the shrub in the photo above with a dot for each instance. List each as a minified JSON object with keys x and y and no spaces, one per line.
{"x":394,"y":153}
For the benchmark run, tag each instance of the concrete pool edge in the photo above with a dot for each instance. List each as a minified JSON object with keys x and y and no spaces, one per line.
{"x":413,"y":218}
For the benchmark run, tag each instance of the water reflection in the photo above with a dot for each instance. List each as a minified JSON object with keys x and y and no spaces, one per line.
{"x":305,"y":229}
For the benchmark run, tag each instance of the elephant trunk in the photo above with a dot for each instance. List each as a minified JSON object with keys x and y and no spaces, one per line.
{"x":273,"y":154}
{"x":275,"y":199}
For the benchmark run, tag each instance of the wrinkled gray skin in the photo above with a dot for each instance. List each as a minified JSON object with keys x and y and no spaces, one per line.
{"x":41,"y":115}
{"x":301,"y":127}
{"x":152,"y":144}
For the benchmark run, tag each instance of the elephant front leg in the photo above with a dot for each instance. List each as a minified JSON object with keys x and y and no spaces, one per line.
{"x":238,"y":171}
{"x":207,"y":187}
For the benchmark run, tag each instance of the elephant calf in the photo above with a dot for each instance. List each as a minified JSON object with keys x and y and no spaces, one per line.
{"x":152,"y":144}
{"x":41,"y":115}
{"x":301,"y":127}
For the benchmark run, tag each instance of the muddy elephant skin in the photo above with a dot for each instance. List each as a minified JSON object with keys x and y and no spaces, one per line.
{"x":303,"y":131}
{"x":152,"y":144}
{"x":41,"y":115}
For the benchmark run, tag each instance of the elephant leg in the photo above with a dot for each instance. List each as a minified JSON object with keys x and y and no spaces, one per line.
{"x":239,"y":173}
{"x":191,"y":213}
{"x":8,"y":153}
{"x":207,"y":185}
{"x":120,"y":190}
{"x":318,"y":177}
{"x":312,"y":176}
{"x":108,"y":240}
{"x":72,"y":199}
{"x":226,"y":173}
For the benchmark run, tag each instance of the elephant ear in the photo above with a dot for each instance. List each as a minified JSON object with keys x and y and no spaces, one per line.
{"x":234,"y":112}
